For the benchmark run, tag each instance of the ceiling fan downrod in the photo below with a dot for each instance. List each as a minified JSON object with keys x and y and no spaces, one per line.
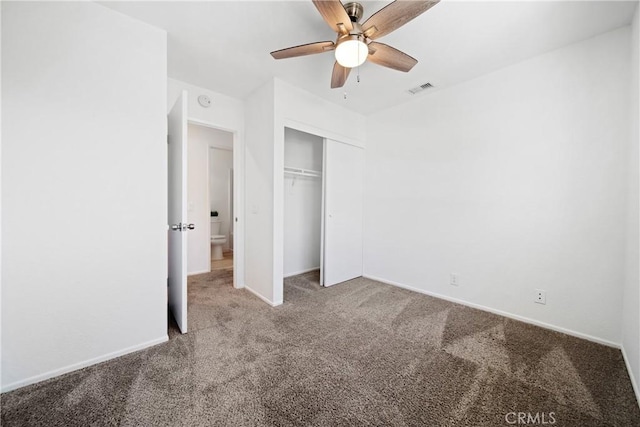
{"x":354,"y":10}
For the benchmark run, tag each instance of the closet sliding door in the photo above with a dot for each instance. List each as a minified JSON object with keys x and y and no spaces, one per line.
{"x":343,"y":199}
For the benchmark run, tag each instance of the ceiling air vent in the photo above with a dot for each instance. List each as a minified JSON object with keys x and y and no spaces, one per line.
{"x":420,"y":88}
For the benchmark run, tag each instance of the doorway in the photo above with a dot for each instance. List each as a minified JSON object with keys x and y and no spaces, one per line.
{"x":189,"y":212}
{"x":210,"y":199}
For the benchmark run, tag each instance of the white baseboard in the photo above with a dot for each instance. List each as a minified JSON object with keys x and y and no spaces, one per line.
{"x":263,"y":298}
{"x":634,"y":383}
{"x":302,"y":272}
{"x":83,"y":364}
{"x":501,"y":313}
{"x":193,"y":273}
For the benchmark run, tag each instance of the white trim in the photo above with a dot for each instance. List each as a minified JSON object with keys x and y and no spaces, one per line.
{"x":322,"y":208}
{"x":208,"y":247}
{"x":193,"y":273}
{"x":302,"y":272}
{"x":210,"y":125}
{"x":83,"y":364}
{"x":634,"y":384}
{"x":265,"y":299}
{"x":218,"y":147}
{"x":323,"y":133}
{"x":501,"y":313}
{"x":289,"y":170}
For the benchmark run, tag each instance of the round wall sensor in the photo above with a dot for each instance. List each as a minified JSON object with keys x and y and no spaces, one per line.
{"x":205,"y":101}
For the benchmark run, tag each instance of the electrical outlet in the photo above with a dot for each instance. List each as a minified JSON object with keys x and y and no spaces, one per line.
{"x":453,"y":279}
{"x":540,"y":296}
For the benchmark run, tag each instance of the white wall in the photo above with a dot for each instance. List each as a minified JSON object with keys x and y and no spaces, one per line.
{"x":225,"y":114}
{"x":214,"y":137}
{"x":220,"y":166}
{"x":84,"y":244}
{"x":631,"y":300}
{"x":302,"y":203}
{"x":515,"y":181}
{"x":259,"y":114}
{"x":1,"y":275}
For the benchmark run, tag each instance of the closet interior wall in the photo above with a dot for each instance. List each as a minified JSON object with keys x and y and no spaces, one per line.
{"x":303,"y":157}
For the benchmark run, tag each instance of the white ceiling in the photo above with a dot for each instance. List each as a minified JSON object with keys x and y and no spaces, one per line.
{"x":224,"y":45}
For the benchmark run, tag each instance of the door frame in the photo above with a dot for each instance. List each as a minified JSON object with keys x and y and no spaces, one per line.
{"x":238,"y":197}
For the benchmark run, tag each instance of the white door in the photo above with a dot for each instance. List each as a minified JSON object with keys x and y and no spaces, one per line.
{"x":178,"y":211}
{"x":343,"y":192}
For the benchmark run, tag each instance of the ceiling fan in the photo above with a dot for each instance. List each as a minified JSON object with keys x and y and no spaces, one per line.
{"x":355,"y":42}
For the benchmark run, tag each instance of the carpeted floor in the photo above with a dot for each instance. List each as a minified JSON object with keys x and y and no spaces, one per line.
{"x":358,"y":353}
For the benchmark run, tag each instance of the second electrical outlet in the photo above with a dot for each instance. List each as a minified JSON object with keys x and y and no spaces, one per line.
{"x":453,"y":279}
{"x":540,"y":296}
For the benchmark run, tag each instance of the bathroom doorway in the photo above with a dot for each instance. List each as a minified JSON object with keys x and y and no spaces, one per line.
{"x":214,"y":208}
{"x":210,"y":201}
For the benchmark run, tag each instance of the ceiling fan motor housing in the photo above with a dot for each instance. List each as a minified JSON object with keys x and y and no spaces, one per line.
{"x":354,"y":10}
{"x":355,"y":33}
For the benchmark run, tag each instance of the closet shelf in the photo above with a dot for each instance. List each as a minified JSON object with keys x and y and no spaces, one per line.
{"x":301,"y":172}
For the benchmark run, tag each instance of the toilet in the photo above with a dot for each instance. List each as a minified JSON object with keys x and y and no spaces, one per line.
{"x":217,"y":240}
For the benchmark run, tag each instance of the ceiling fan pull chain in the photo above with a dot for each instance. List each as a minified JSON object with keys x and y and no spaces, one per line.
{"x":358,"y":76}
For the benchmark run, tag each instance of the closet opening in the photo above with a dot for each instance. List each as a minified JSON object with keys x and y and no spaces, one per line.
{"x":303,"y":210}
{"x":322,"y":213}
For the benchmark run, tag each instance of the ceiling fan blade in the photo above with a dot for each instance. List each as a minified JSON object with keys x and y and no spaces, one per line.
{"x":334,"y":15}
{"x":303,"y":49}
{"x":387,"y":56}
{"x":339,"y":75}
{"x":394,"y":16}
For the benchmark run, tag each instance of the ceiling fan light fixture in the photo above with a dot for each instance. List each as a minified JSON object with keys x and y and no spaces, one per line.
{"x":356,"y":42}
{"x":351,"y":51}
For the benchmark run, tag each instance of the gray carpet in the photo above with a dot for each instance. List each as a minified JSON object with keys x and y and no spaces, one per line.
{"x":358,"y":353}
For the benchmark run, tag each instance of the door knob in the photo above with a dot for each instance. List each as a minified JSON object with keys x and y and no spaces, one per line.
{"x":182,"y":227}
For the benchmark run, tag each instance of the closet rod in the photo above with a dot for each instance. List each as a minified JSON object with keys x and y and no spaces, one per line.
{"x":302,"y":172}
